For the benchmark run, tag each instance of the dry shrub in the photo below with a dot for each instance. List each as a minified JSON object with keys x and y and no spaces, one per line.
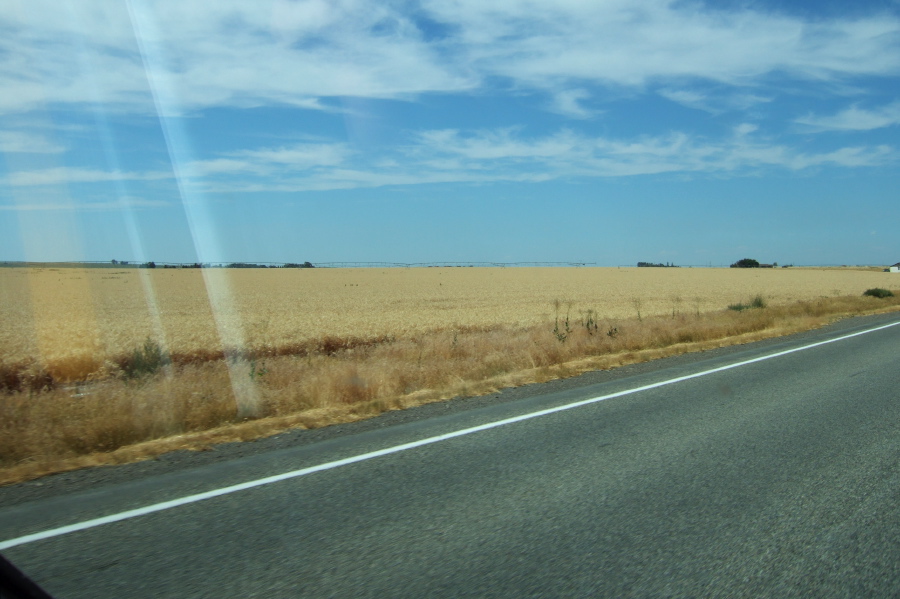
{"x":24,"y":376}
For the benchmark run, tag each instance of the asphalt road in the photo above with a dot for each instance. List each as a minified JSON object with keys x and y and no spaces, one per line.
{"x":779,"y":477}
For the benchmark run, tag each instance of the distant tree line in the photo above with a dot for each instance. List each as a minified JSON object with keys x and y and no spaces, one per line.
{"x":657,"y":265}
{"x":200,"y":265}
{"x":746,"y":263}
{"x":751,"y":263}
{"x":286,"y":265}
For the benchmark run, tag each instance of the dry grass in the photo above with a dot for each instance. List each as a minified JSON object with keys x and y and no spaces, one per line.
{"x":309,"y":348}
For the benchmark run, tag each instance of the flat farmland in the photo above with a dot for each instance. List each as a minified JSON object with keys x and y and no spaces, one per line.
{"x":105,"y":365}
{"x":51,"y":314}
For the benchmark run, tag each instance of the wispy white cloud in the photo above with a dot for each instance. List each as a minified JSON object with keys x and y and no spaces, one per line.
{"x":685,"y":97}
{"x":19,"y":142}
{"x":306,"y":53}
{"x":85,"y":206}
{"x":64,"y":175}
{"x":854,"y":119}
{"x":228,"y":53}
{"x":301,"y":156}
{"x":501,"y":144}
{"x":713,"y":102}
{"x":216,"y":166}
{"x":627,"y":43}
{"x":568,"y":103}
{"x":863,"y":156}
{"x":454,"y":156}
{"x":297,"y":157}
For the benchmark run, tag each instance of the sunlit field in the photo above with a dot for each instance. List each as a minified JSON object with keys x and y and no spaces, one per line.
{"x":94,"y":361}
{"x":72,"y":320}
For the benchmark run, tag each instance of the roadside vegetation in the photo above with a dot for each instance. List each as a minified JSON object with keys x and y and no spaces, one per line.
{"x":757,"y":302}
{"x":149,"y":401}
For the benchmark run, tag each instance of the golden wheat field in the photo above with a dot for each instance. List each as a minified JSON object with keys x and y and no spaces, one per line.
{"x":74,"y":318}
{"x":101,"y":366}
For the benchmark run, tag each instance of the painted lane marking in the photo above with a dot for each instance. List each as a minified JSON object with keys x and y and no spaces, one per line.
{"x":165,"y":505}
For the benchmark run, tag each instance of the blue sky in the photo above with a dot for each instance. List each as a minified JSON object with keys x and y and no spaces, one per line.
{"x":451,"y":130}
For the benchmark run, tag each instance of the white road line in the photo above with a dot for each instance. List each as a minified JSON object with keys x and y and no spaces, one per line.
{"x":165,"y":505}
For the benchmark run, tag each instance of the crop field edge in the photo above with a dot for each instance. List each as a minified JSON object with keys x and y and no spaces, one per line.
{"x":252,"y":429}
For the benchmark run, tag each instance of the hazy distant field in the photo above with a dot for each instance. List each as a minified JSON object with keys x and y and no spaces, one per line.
{"x":55,"y":314}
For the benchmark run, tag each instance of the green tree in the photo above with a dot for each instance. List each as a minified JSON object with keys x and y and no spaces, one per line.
{"x":746,"y":263}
